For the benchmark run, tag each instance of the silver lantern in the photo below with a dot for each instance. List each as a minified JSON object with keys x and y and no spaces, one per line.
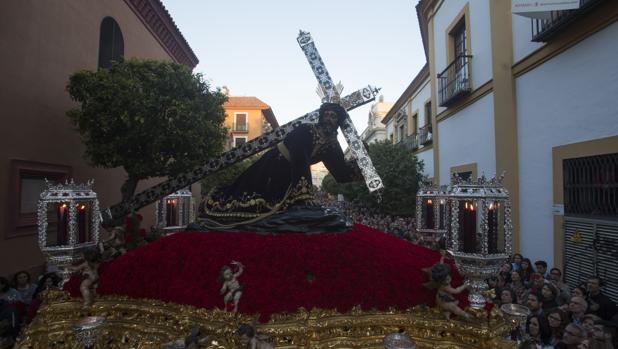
{"x":68,"y":219}
{"x":87,"y":330}
{"x":175,"y":211}
{"x":481,"y":240}
{"x":432,"y":213}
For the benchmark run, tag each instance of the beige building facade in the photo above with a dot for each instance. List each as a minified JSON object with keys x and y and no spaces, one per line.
{"x":42,"y":44}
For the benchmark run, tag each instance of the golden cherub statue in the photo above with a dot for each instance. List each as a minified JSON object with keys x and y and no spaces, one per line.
{"x":231,"y":288}
{"x":114,"y":245}
{"x":250,"y":340}
{"x":441,"y":280}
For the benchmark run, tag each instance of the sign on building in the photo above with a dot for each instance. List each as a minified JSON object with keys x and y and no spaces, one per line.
{"x":542,"y":8}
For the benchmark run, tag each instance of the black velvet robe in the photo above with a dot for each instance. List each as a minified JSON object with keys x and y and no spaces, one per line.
{"x":280,"y":179}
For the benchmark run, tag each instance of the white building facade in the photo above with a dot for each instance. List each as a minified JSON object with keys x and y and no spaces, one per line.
{"x":537,"y":100}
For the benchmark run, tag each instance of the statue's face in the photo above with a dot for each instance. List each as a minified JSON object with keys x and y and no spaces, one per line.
{"x":227,"y":274}
{"x":244,"y":340}
{"x":329,"y":119}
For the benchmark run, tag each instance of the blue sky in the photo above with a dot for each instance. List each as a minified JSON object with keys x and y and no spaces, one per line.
{"x":250,"y":46}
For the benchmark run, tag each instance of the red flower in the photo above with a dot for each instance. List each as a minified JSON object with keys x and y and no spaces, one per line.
{"x":142,"y":232}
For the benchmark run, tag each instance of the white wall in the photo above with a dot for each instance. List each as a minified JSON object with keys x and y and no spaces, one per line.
{"x":427,"y":158}
{"x":522,"y":34}
{"x":480,"y":39}
{"x":469,"y":137}
{"x":417,"y":104}
{"x":571,"y":98}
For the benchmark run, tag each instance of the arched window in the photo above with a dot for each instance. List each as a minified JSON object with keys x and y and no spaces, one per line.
{"x":111,"y":44}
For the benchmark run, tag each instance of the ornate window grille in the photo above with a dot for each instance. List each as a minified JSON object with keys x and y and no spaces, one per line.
{"x":591,"y":185}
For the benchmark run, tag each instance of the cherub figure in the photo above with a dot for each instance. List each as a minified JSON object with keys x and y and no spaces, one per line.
{"x":114,"y":245}
{"x":441,"y":280}
{"x":192,"y":341}
{"x":90,"y":275}
{"x":231,"y":288}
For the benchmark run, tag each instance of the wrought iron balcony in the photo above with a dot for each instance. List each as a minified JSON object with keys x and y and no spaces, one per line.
{"x":411,"y":142}
{"x":545,"y":29}
{"x":244,"y":127}
{"x":454,"y":81}
{"x":424,"y":134}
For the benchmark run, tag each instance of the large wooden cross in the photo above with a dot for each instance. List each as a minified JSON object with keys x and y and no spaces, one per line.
{"x":331,"y":94}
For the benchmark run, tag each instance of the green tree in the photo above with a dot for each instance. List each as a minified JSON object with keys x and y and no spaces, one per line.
{"x":400,"y":172}
{"x":153,"y":118}
{"x":227,"y":175}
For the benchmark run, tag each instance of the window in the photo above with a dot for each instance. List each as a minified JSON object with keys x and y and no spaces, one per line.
{"x":111,"y":44}
{"x":591,"y":185}
{"x":240,"y":122}
{"x":428,"y":115}
{"x":238,"y":141}
{"x":459,"y":39}
{"x":26,"y":184}
{"x":414,"y":123}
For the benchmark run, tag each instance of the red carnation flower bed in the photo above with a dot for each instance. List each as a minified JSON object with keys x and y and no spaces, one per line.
{"x":282,"y":272}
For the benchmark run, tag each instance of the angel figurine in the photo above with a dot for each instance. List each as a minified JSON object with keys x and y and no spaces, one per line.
{"x":114,"y":245}
{"x":441,"y":280}
{"x":90,"y":275}
{"x":231,"y":288}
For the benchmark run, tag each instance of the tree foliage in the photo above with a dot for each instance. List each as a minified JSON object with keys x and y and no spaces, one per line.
{"x":153,"y":118}
{"x":400,"y":172}
{"x":227,"y":175}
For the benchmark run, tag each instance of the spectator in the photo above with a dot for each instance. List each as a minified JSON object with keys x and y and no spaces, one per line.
{"x":518,"y":287}
{"x":603,"y":335}
{"x":550,"y":294}
{"x":557,"y":320}
{"x":525,"y":271}
{"x":507,"y":296}
{"x":588,"y":323}
{"x":8,"y":293}
{"x":574,"y":334}
{"x":541,"y":268}
{"x":538,"y":330}
{"x":22,"y":283}
{"x":577,"y":309}
{"x":535,"y":304}
{"x":516,"y":261}
{"x":598,"y":303}
{"x":504,"y":278}
{"x":536,"y":282}
{"x":9,"y":322}
{"x":555,"y":278}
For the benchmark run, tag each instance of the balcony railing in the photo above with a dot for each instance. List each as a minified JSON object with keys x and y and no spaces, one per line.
{"x":244,"y":127}
{"x":454,"y":81}
{"x":424,"y":134}
{"x":411,"y":142}
{"x":544,"y":29}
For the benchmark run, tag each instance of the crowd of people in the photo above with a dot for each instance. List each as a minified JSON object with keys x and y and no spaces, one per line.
{"x":560,"y":317}
{"x":19,"y":299}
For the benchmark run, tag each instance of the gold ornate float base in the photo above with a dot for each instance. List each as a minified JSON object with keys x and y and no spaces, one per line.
{"x":139,"y":323}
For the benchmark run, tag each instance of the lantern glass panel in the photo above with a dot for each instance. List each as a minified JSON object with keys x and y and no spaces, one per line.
{"x":442,"y":214}
{"x":427,"y":215}
{"x":495,"y":227}
{"x":84,"y":211}
{"x":469,"y":234}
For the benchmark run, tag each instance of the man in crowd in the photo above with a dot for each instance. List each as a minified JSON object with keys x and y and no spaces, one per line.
{"x":577,"y":309}
{"x":603,"y":334}
{"x":598,"y":303}
{"x":541,"y":268}
{"x":555,"y":278}
{"x":573,"y":335}
{"x":535,"y":304}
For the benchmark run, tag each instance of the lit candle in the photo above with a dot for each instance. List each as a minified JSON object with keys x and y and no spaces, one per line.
{"x":171,"y":213}
{"x":492,"y":231}
{"x":429,"y":214}
{"x":81,"y":222}
{"x":61,"y":235}
{"x":469,"y":223}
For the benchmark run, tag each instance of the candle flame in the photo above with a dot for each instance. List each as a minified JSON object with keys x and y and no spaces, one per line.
{"x":63,"y":206}
{"x":429,"y":202}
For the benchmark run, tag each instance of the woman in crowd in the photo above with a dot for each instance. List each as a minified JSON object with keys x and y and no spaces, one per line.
{"x":518,"y":286}
{"x":588,"y":323}
{"x":557,"y":320}
{"x":550,"y":295}
{"x":538,"y":330}
{"x":525,"y":271}
{"x":22,"y":283}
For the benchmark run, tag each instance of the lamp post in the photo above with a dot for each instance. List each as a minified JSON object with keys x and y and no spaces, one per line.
{"x":481,"y":237}
{"x":68,"y":220}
